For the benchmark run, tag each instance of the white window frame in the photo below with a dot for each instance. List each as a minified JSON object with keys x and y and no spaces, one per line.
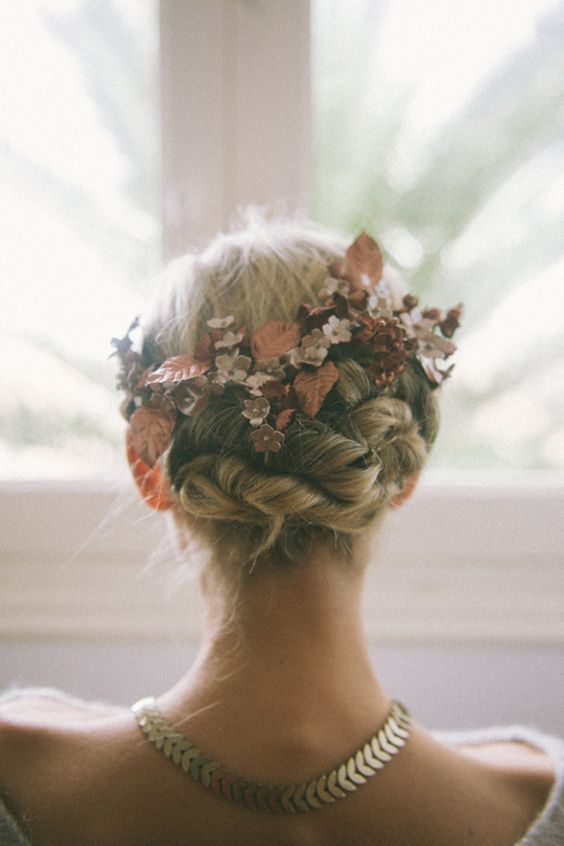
{"x":462,"y":562}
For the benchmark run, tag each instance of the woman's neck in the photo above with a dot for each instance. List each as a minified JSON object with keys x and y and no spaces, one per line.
{"x":293,"y":655}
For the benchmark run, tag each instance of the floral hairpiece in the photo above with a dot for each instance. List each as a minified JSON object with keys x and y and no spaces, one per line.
{"x":287,"y":367}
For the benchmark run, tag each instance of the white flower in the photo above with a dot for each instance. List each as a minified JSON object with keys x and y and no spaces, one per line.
{"x":220,"y":322}
{"x":334,"y":286}
{"x":272,"y":366}
{"x":229,"y":340}
{"x":256,"y":410}
{"x":255,"y":382}
{"x":410,"y":319}
{"x":381,"y":300}
{"x":379,"y":306}
{"x":267,"y":439}
{"x":337,"y":331}
{"x":232,"y":368}
{"x":294,"y":357}
{"x":313,"y":349}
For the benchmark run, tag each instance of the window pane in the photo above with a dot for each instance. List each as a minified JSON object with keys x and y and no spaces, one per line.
{"x":439,"y":128}
{"x":79,"y":209}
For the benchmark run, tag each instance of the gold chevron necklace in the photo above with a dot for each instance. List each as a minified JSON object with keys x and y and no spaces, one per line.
{"x":276,"y":798}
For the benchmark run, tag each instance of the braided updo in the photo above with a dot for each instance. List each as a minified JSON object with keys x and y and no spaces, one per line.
{"x":336,"y":472}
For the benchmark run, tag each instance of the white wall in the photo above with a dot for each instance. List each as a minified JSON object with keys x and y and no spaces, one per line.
{"x":444,"y":685}
{"x":464,"y":605}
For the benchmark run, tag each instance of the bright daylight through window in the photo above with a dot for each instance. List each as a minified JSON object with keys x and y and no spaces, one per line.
{"x":460,"y":176}
{"x":79,"y":148}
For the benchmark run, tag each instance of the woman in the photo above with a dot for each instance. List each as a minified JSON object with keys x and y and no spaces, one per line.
{"x":282,"y":401}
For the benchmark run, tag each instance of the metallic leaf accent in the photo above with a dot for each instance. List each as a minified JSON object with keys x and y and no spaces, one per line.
{"x":342,"y":776}
{"x":399,"y":732}
{"x":298,"y":797}
{"x":312,"y":799}
{"x":394,"y":740}
{"x":370,"y":759}
{"x":333,"y":787}
{"x":285,"y":799}
{"x":354,"y":775}
{"x":385,"y":743}
{"x":361,"y":764}
{"x":378,"y":751}
{"x":276,"y":798}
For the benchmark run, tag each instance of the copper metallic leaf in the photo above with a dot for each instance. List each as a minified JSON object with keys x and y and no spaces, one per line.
{"x":284,"y":418}
{"x":275,"y":392}
{"x":165,"y":404}
{"x":432,"y":314}
{"x":275,"y":338}
{"x":311,"y":387}
{"x":176,"y":370}
{"x":151,"y":482}
{"x":204,"y":349}
{"x":151,"y":431}
{"x":363,"y":263}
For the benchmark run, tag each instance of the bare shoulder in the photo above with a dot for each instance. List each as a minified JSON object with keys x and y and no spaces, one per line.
{"x":37,"y":726}
{"x":521,"y":761}
{"x":47,"y":747}
{"x":45,"y":707}
{"x":524,"y":774}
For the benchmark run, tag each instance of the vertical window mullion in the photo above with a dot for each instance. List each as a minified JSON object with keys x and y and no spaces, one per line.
{"x":236,"y":111}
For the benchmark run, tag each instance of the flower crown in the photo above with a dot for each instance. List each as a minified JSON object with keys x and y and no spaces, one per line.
{"x":287,"y":368}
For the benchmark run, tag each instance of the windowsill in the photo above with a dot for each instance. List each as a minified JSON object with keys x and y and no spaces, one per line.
{"x":461,"y":562}
{"x":433,"y":478}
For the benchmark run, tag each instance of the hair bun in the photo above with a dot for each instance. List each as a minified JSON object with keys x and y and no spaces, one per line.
{"x":387,"y":426}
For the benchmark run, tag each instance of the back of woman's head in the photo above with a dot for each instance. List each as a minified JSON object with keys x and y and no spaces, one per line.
{"x":335,"y":458}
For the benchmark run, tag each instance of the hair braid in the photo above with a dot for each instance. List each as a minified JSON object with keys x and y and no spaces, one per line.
{"x":336,"y":472}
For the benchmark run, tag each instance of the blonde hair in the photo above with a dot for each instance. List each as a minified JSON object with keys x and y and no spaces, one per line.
{"x":337,"y":472}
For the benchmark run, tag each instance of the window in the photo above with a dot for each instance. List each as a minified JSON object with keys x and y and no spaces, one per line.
{"x":439,"y":126}
{"x":229,"y":140}
{"x":80,"y":216}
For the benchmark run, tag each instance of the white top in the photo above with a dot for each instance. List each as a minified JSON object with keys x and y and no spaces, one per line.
{"x":547,"y":830}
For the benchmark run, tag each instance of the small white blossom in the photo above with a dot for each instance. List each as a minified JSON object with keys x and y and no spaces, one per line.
{"x":294,"y":357}
{"x":337,"y":331}
{"x":313,"y":349}
{"x":229,"y":340}
{"x":232,"y":368}
{"x":272,"y":366}
{"x":410,"y":319}
{"x":267,"y":439}
{"x":379,"y":306}
{"x":256,"y":410}
{"x":381,"y":300}
{"x":220,"y":322}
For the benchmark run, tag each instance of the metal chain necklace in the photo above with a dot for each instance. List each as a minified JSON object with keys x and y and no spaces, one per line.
{"x":276,"y":798}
